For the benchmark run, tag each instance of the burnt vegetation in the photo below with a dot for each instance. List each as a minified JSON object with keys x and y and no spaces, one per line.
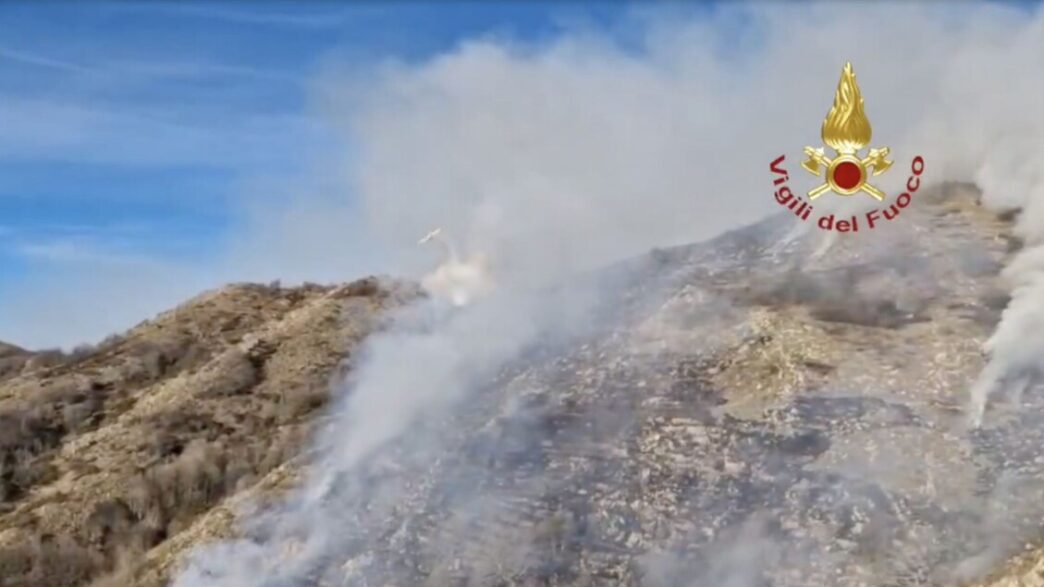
{"x":847,"y":295}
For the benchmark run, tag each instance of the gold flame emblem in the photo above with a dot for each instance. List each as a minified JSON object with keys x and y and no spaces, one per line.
{"x":846,"y":130}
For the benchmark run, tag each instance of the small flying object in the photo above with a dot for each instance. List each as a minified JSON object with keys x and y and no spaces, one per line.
{"x":431,"y":235}
{"x":458,"y":280}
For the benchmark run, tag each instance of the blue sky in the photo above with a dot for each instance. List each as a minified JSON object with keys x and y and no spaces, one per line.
{"x":130,"y":129}
{"x":146,"y":134}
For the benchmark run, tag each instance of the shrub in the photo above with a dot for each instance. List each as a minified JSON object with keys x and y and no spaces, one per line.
{"x":24,"y":436}
{"x":48,"y":561}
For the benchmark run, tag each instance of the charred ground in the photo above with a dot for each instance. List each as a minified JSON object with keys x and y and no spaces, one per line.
{"x":752,"y":411}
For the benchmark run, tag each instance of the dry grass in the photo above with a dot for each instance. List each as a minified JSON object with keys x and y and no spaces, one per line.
{"x":138,"y":437}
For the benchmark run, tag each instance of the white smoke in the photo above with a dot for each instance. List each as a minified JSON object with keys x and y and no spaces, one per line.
{"x":561,"y":157}
{"x":458,"y":280}
{"x":574,"y":154}
{"x":432,"y":358}
{"x":1010,"y":180}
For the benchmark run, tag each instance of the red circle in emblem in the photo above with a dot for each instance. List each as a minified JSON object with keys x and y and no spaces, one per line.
{"x":847,"y":175}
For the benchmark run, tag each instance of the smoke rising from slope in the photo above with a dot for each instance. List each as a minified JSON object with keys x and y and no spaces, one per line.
{"x":562,"y":157}
{"x":574,"y":154}
{"x":407,"y":381}
{"x":1017,"y":347}
{"x":656,"y":154}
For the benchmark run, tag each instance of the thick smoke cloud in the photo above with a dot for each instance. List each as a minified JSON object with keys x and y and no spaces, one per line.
{"x":578,"y":151}
{"x":567,"y":156}
{"x":561,"y":157}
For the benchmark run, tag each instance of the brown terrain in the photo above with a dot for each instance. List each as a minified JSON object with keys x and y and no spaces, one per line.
{"x":115,"y":451}
{"x":755,"y":415}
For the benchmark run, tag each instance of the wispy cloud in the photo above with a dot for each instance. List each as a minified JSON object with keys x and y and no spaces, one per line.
{"x":35,"y":59}
{"x":189,"y":69}
{"x":119,"y":242}
{"x":303,"y":19}
{"x":107,"y":109}
{"x":73,"y":251}
{"x":68,"y":130}
{"x":155,"y":68}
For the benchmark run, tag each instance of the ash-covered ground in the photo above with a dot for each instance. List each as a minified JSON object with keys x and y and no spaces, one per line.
{"x":751,"y":411}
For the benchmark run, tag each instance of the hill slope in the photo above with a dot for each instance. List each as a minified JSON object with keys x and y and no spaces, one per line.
{"x":749,"y":411}
{"x":115,"y":450}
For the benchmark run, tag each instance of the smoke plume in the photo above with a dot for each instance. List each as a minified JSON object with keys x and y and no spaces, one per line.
{"x":557,"y":158}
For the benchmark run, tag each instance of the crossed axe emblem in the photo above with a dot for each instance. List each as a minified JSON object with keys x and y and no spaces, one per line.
{"x":846,"y":174}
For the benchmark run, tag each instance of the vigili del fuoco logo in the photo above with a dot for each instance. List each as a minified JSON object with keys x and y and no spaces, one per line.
{"x":846,"y":130}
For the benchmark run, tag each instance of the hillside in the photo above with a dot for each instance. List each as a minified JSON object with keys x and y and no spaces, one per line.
{"x":112,"y":451}
{"x":748,"y":412}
